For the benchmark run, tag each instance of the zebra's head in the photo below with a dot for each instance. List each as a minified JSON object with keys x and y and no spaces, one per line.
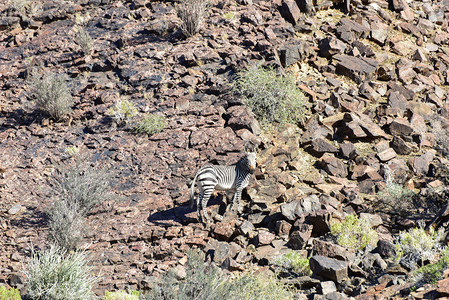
{"x":250,"y":159}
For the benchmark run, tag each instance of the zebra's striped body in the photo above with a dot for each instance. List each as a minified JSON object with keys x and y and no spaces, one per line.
{"x":234,"y":177}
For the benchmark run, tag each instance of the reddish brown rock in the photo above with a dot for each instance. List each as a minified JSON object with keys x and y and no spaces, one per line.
{"x":333,"y":165}
{"x":401,"y":127}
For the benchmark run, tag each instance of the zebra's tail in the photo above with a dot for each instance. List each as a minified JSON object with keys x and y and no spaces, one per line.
{"x":192,"y":191}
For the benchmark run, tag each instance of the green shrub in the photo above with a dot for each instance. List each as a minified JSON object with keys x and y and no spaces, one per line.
{"x":354,"y":233}
{"x":51,"y":94}
{"x":151,"y":124}
{"x":272,"y":97}
{"x":416,"y":245}
{"x":205,"y":281}
{"x":192,"y":14}
{"x":292,"y":261}
{"x":260,"y":287}
{"x":121,"y":295}
{"x":122,"y":112}
{"x":72,"y":151}
{"x":83,"y":39}
{"x":9,"y":294}
{"x":55,"y":274}
{"x":433,"y":272}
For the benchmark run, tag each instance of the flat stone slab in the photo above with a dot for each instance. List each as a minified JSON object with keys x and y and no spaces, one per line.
{"x":358,"y":69}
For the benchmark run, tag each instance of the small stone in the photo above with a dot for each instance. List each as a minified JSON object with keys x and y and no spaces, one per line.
{"x":15,"y":209}
{"x":386,"y":155}
{"x":327,"y":287}
{"x":264,"y":237}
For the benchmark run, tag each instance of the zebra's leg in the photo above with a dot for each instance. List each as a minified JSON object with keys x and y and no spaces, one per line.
{"x":205,"y":199}
{"x":198,"y":205}
{"x":236,"y":201}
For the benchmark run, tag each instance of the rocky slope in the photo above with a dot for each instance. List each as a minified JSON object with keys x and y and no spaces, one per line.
{"x":376,"y":84}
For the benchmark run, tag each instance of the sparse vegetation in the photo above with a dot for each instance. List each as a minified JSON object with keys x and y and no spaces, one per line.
{"x":192,"y":14}
{"x":55,"y":274}
{"x":151,"y":124}
{"x":122,"y":112}
{"x":416,"y":246}
{"x":204,"y":281}
{"x":51,"y":94}
{"x":272,"y":97}
{"x":19,"y":6}
{"x":121,"y":295}
{"x":293,"y":262}
{"x":72,"y":151}
{"x":66,"y":224}
{"x":354,"y":233}
{"x":395,"y":196}
{"x":83,"y":185}
{"x":433,"y":272}
{"x":78,"y":189}
{"x":83,"y":39}
{"x":9,"y":294}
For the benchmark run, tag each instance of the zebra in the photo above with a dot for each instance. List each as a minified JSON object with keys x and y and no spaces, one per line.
{"x":234,"y":177}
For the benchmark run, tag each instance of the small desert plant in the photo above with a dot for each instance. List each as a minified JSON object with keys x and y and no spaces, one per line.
{"x":72,"y":151}
{"x":66,"y":224}
{"x":293,"y":262}
{"x":274,"y":98}
{"x":433,"y":272}
{"x":258,"y":287}
{"x":354,"y":233}
{"x":151,"y":124}
{"x":55,"y":274}
{"x":19,"y":6}
{"x":83,"y":39}
{"x":78,"y":189}
{"x":205,"y":281}
{"x":83,"y":186}
{"x":9,"y":294}
{"x":395,"y":196}
{"x":51,"y":94}
{"x":121,"y":295}
{"x":416,"y":246}
{"x":122,"y":112}
{"x":192,"y":14}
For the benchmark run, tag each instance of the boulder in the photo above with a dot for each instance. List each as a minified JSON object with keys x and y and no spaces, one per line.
{"x":329,"y":268}
{"x":358,"y":69}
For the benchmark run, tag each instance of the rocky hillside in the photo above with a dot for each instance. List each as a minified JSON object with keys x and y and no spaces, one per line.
{"x":375,"y":81}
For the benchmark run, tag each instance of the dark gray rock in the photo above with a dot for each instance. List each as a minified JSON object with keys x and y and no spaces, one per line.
{"x":319,"y":146}
{"x":299,"y":237}
{"x":330,"y":46}
{"x":358,"y":69}
{"x":329,"y":268}
{"x":333,"y":165}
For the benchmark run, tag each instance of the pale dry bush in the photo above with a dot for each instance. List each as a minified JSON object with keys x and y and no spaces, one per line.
{"x":192,"y":14}
{"x":78,"y":190}
{"x":55,"y":274}
{"x":51,"y":94}
{"x":416,"y":246}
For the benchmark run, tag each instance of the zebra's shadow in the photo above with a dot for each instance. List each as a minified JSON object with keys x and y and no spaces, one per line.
{"x":183,"y":214}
